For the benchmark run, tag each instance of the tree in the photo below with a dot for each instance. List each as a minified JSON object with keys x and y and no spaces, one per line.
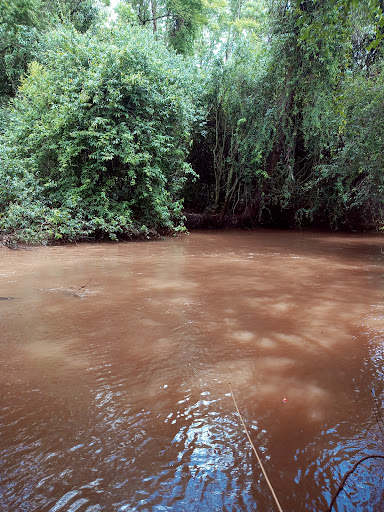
{"x":18,"y":38}
{"x":177,"y":22}
{"x":101,"y":126}
{"x":22,"y":23}
{"x":233,"y":138}
{"x":277,"y":108}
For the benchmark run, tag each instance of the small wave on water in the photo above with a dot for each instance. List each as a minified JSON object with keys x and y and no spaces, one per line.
{"x":194,"y":458}
{"x":120,"y":402}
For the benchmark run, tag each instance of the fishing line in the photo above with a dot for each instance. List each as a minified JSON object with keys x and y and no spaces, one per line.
{"x":255,"y":452}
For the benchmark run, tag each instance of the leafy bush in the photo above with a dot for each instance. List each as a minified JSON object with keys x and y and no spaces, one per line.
{"x":99,"y":131}
{"x":350,"y":187}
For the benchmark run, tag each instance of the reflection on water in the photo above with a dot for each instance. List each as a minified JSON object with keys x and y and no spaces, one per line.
{"x":115,"y":362}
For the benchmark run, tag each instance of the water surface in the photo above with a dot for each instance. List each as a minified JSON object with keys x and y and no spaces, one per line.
{"x":115,"y":363}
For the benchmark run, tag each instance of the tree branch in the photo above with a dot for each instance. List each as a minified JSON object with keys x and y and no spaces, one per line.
{"x":4,"y":50}
{"x":156,"y":18}
{"x":347,"y":474}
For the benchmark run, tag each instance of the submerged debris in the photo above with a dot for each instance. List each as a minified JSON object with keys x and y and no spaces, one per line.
{"x":80,"y":293}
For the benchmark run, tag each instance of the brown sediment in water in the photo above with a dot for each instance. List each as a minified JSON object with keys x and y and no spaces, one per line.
{"x":114,"y":391}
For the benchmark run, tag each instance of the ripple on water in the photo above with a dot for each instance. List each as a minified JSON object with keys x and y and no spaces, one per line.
{"x":119,"y":402}
{"x":362,"y":490}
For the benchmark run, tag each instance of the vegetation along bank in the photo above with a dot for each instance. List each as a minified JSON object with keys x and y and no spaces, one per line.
{"x":124,"y":123}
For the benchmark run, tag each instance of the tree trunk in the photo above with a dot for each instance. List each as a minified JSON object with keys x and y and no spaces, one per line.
{"x":154,"y":15}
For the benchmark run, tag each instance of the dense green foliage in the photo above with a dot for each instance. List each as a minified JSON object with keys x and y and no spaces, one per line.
{"x":350,"y":184}
{"x":277,"y":105}
{"x":22,"y":23}
{"x":99,"y":130}
{"x":283,"y":115}
{"x":176,"y":21}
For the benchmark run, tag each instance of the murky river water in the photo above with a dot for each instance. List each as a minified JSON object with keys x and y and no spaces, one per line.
{"x":115,"y":362}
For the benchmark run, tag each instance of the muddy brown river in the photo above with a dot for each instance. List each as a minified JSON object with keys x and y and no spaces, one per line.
{"x":116,"y":359}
